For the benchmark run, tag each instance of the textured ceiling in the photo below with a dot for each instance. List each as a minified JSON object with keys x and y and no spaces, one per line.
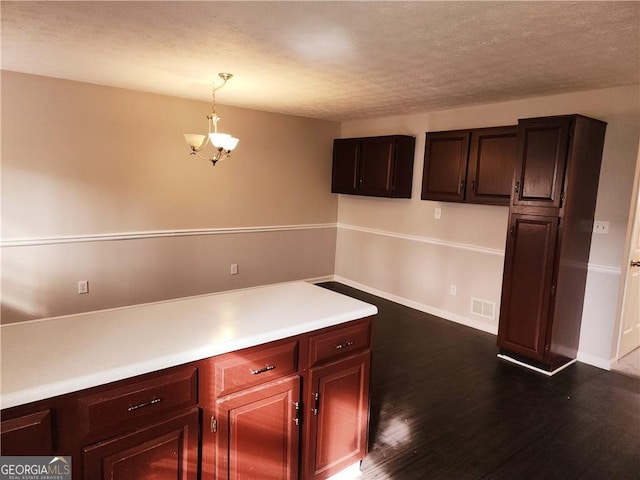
{"x":332,"y":60}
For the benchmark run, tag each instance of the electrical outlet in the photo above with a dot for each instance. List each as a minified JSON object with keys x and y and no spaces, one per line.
{"x":601,"y":227}
{"x":83,"y":286}
{"x":437,"y":213}
{"x":453,"y":290}
{"x":234,"y":269}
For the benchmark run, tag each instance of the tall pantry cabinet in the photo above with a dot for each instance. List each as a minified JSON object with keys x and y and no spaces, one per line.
{"x":549,"y":237}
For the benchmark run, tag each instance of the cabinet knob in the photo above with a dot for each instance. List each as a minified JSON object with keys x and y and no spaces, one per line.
{"x":635,"y":263}
{"x":342,"y":345}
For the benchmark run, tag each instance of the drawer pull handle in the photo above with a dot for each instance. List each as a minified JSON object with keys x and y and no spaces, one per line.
{"x":340,"y":346}
{"x":262,"y":370}
{"x":142,"y":405}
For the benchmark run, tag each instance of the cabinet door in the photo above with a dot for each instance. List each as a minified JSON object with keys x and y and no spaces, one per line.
{"x":527,"y":285}
{"x":376,"y":166}
{"x":339,"y":416}
{"x":542,"y":155}
{"x":163,"y":451}
{"x":445,"y":165}
{"x":345,"y":165}
{"x":27,"y":434}
{"x":492,"y":161}
{"x":258,"y":433}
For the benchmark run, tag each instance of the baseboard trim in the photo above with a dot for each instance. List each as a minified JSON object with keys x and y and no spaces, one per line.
{"x":326,"y":278}
{"x":453,"y":317}
{"x":594,"y":361}
{"x":535,"y":369}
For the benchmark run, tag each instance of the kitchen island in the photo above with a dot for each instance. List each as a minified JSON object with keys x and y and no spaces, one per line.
{"x":202,"y":377}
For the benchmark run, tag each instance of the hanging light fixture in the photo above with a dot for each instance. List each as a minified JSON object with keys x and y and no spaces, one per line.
{"x":222,"y":142}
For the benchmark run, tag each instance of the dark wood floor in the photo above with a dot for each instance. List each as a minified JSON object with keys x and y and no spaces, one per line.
{"x":444,"y":407}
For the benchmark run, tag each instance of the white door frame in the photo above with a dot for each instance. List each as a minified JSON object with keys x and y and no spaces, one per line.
{"x":632,"y":225}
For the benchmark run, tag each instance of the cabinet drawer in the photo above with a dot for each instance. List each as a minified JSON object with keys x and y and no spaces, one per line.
{"x":238,"y":370}
{"x":339,"y":342}
{"x":165,"y":449}
{"x":138,"y":400}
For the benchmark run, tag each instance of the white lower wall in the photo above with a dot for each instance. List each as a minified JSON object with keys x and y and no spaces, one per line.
{"x":40,"y":279}
{"x":599,"y":323}
{"x":400,"y":268}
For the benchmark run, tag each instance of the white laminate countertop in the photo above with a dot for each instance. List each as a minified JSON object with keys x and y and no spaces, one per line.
{"x":53,"y":356}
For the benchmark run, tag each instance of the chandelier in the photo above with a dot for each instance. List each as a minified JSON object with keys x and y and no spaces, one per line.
{"x":223,"y":143}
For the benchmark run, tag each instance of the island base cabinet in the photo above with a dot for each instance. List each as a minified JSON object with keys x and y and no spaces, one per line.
{"x":338,"y":416}
{"x":258,"y":432}
{"x":28,"y":434}
{"x":164,"y":451}
{"x":294,"y":408}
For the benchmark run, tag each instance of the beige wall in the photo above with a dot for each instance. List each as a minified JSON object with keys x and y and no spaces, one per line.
{"x":397,"y":249}
{"x":97,"y":185}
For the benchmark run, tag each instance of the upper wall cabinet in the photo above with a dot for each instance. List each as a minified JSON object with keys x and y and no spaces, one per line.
{"x":474,"y":166}
{"x":374,"y":166}
{"x":542,"y":150}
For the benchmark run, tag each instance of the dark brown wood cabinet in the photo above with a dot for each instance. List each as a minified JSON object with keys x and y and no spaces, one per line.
{"x":492,"y":160}
{"x":473,"y":166}
{"x":257,"y":412}
{"x":142,"y":427}
{"x":244,"y":414}
{"x":27,"y":434}
{"x":339,"y":400}
{"x":527,"y":284}
{"x":135,"y":429}
{"x":166,"y":450}
{"x":445,"y":165}
{"x":373,"y":166}
{"x":259,"y":432}
{"x":549,"y":238}
{"x":542,"y":148}
{"x":345,"y":175}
